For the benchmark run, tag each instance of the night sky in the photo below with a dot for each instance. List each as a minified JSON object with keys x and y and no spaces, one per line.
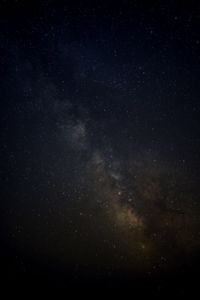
{"x":100,"y":143}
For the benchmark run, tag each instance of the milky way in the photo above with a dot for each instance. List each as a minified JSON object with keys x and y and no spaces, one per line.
{"x":131,"y":210}
{"x":100,"y":141}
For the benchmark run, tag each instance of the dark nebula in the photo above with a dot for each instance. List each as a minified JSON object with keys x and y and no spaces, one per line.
{"x":100,"y":144}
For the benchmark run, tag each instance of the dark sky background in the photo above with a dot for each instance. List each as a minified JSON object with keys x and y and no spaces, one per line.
{"x":100,"y":143}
